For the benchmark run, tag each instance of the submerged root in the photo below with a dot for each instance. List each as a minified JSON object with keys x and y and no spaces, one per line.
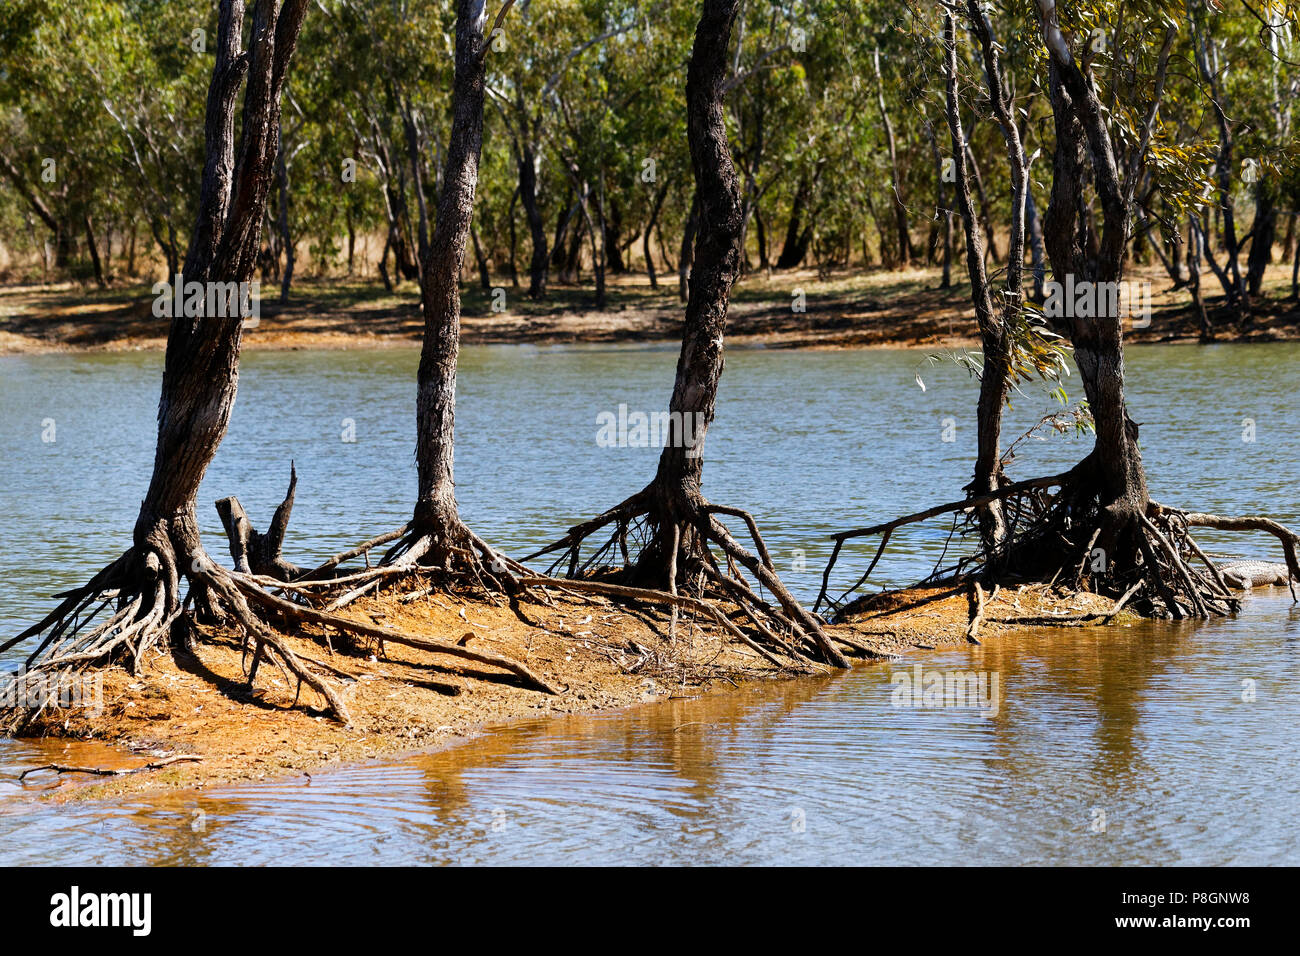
{"x":686,"y":557}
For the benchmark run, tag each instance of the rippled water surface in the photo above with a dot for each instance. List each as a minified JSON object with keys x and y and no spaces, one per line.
{"x":1108,"y":746}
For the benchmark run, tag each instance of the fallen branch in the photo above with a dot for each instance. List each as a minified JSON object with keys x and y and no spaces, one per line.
{"x":1290,"y":540}
{"x":109,"y":771}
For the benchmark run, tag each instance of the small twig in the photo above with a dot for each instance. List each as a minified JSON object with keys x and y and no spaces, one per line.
{"x":108,"y":771}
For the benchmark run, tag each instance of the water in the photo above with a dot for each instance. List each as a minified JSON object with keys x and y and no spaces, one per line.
{"x":1145,"y":725}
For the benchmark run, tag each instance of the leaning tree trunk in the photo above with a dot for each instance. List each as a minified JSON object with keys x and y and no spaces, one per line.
{"x":655,"y":209}
{"x":200,"y":373}
{"x":995,"y":326}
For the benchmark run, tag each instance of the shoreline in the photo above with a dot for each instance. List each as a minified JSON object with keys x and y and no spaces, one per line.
{"x":848,"y":310}
{"x":196,"y":704}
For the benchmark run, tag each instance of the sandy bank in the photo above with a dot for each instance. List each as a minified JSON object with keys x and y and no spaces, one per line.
{"x":603,"y":656}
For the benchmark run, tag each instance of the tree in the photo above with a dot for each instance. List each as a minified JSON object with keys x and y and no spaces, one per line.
{"x":1101,"y":527}
{"x":200,"y":375}
{"x":680,"y":526}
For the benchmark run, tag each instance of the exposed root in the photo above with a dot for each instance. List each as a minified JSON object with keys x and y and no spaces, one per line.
{"x":123,"y":612}
{"x":1153,"y":564}
{"x":439,"y":552}
{"x":684,"y":553}
{"x":300,"y":613}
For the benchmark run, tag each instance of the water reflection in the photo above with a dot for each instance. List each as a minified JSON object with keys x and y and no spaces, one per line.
{"x":1144,"y":724}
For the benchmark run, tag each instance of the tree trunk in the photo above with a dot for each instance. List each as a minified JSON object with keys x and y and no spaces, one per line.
{"x":595,"y":229}
{"x":1037,"y":256}
{"x":538,"y":265}
{"x":514,"y":242}
{"x":562,"y":222}
{"x":797,"y":236}
{"x":572,"y":271}
{"x":282,"y":222}
{"x":714,"y":271}
{"x":352,"y":241}
{"x":612,"y":238}
{"x":93,"y":249}
{"x":986,"y":215}
{"x":412,"y":135}
{"x":1195,"y":240}
{"x":1295,"y":274}
{"x":688,"y":247}
{"x":200,"y":370}
{"x":436,"y":513}
{"x":1263,"y":232}
{"x":1114,"y":470}
{"x":650,"y":228}
{"x":760,"y":237}
{"x":484,"y":275}
{"x":1234,"y":287}
{"x":900,"y":209}
{"x":995,"y":327}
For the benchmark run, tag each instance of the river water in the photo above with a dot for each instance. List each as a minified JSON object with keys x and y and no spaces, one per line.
{"x":1155,"y":744}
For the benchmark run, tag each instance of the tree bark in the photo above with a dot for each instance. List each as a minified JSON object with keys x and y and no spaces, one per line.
{"x":200,"y":371}
{"x":539,"y":264}
{"x":688,"y":247}
{"x":436,"y":513}
{"x":716,"y":263}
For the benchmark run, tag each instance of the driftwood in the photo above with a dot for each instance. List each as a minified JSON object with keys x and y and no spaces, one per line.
{"x":252,"y":551}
